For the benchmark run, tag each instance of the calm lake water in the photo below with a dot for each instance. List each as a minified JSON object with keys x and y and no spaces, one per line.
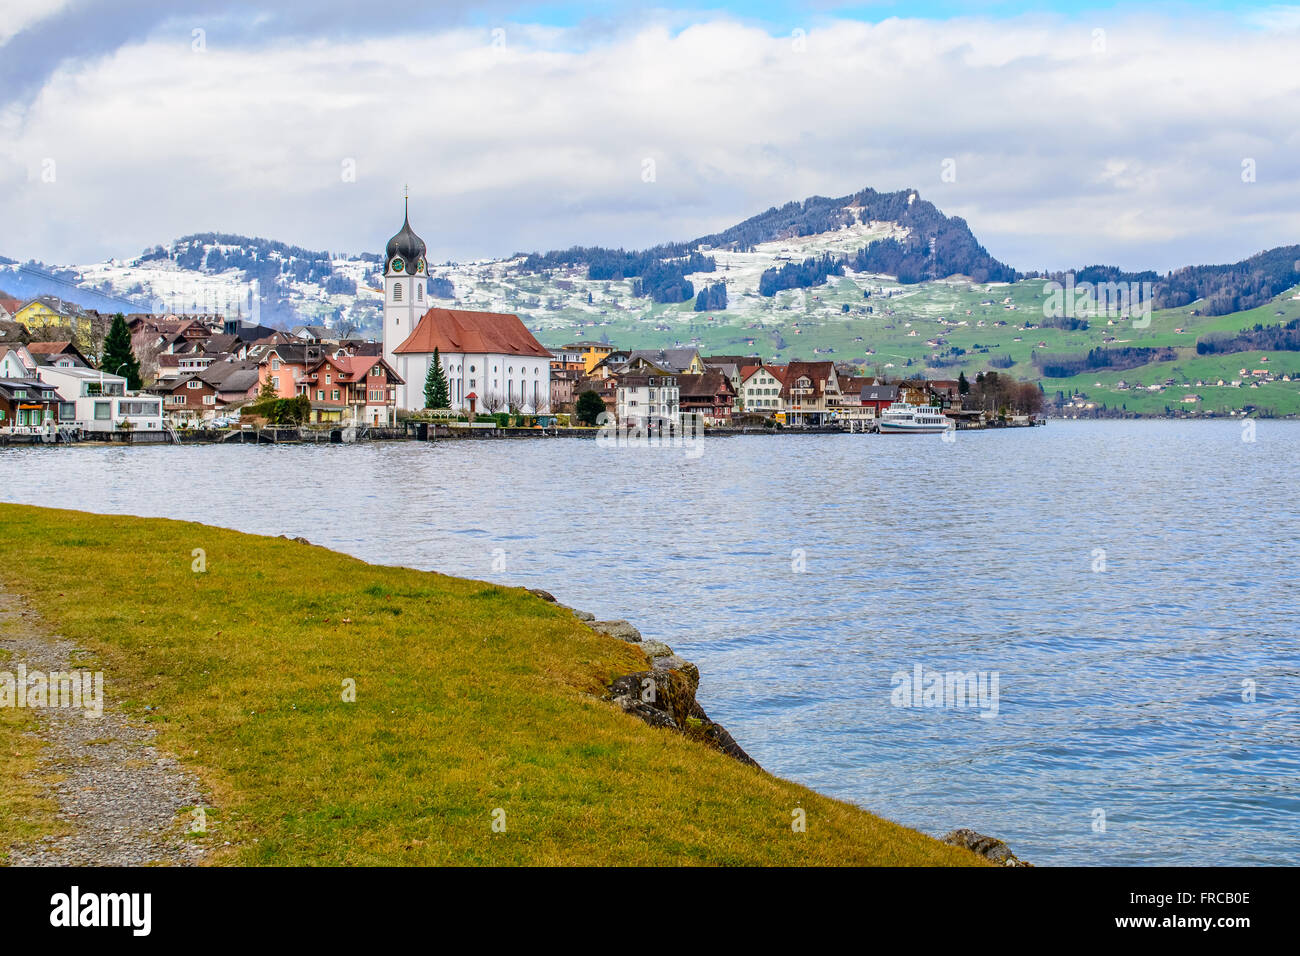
{"x":803,"y":573}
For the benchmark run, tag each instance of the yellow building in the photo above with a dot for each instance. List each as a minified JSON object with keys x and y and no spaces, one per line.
{"x":592,"y":354}
{"x":46,"y":310}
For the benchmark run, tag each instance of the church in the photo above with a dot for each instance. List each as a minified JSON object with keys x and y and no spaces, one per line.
{"x":491,"y":360}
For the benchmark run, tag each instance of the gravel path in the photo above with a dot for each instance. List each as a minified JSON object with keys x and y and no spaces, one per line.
{"x":125,"y":802}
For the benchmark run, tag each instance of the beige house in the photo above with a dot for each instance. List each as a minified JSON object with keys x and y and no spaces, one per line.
{"x":760,"y":389}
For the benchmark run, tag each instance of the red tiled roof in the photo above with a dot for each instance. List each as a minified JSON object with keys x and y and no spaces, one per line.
{"x":816,"y":372}
{"x":47,"y":348}
{"x":357,"y":367}
{"x":458,"y":330}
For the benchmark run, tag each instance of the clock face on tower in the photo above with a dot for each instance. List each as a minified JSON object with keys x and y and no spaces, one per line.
{"x":398,"y":264}
{"x":419,"y":266}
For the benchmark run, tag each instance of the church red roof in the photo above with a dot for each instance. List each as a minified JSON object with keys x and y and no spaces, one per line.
{"x":458,"y":330}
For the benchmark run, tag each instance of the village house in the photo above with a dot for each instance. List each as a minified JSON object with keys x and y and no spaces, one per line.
{"x":352,"y":389}
{"x":568,"y":358}
{"x":63,"y":354}
{"x":187,"y":399}
{"x":760,"y":389}
{"x":98,"y":401}
{"x":564,"y":384}
{"x":810,"y":390}
{"x":46,"y":311}
{"x":609,"y":365}
{"x":592,"y":353}
{"x":876,"y":398}
{"x":731,"y":366}
{"x":849,"y":407}
{"x":709,"y":395}
{"x":284,"y":366}
{"x":9,"y":306}
{"x":672,"y":361}
{"x":648,"y":400}
{"x":235,"y":383}
{"x":313,"y":334}
{"x":16,"y":361}
{"x":27,"y":406}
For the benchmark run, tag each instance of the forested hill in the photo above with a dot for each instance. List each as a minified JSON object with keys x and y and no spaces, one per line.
{"x":1233,"y":287}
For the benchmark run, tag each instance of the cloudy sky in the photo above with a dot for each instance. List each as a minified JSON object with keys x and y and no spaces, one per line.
{"x":1149,"y":136}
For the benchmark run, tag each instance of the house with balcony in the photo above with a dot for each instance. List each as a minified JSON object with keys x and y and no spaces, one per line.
{"x":96,"y":401}
{"x":648,"y":401}
{"x":28,"y":406}
{"x":811,"y":392}
{"x":352,"y":389}
{"x":285,"y":366}
{"x":709,"y":395}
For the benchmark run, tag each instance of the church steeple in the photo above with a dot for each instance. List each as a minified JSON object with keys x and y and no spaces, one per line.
{"x":405,"y":246}
{"x":405,"y":292}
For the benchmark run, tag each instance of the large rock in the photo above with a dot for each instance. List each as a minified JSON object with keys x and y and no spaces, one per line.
{"x":665,"y":697}
{"x":656,"y":649}
{"x":674,"y":664}
{"x":620,"y":629}
{"x":986,"y":846}
{"x":544,"y":595}
{"x":717,"y":736}
{"x":657,"y":699}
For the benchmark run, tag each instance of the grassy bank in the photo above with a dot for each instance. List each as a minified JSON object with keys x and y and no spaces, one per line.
{"x":471,"y":700}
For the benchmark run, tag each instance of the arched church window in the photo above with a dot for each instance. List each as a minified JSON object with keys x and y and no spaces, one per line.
{"x":419,"y":293}
{"x":397,"y":292}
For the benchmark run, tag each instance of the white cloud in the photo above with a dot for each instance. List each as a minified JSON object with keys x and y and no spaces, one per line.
{"x":1064,"y":155}
{"x":20,"y":14}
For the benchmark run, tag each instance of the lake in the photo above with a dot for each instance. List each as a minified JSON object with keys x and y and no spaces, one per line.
{"x":1127,"y":588}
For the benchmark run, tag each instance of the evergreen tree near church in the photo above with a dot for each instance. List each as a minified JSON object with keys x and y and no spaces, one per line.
{"x":436,"y":393}
{"x":118,"y":358}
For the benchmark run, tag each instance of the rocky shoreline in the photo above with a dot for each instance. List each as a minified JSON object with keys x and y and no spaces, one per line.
{"x":664,"y":696}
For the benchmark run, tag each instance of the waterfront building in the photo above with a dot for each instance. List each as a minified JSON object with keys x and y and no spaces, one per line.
{"x":648,"y":400}
{"x":760,"y":389}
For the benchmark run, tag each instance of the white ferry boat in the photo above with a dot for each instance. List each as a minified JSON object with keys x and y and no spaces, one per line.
{"x":901,"y":418}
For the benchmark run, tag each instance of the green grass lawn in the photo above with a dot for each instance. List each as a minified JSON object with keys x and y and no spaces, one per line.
{"x":471,"y":699}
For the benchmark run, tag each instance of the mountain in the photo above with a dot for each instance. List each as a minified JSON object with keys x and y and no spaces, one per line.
{"x":895,"y":233}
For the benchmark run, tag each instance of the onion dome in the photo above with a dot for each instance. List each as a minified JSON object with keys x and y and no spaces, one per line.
{"x":406,"y":244}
